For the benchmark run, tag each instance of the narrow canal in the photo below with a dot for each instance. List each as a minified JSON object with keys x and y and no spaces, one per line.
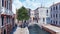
{"x":35,"y":29}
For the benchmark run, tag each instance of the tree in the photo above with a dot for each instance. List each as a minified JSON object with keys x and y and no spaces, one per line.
{"x":22,"y":14}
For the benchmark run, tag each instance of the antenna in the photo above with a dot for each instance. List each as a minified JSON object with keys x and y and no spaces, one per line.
{"x":41,"y":4}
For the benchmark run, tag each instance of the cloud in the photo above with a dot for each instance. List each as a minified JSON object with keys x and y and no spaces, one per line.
{"x":33,"y":4}
{"x":56,"y":1}
{"x":17,"y":4}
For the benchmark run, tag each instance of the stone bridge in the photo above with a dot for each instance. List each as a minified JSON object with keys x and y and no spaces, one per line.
{"x":32,"y":23}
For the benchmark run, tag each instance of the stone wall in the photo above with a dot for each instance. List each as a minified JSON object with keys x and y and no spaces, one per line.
{"x":48,"y":30}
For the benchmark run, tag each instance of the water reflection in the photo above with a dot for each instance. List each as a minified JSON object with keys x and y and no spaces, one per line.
{"x":35,"y":29}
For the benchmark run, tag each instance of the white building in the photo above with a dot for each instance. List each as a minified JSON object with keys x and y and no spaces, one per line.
{"x":32,"y":15}
{"x":55,"y":14}
{"x":44,"y":15}
{"x":36,"y":13}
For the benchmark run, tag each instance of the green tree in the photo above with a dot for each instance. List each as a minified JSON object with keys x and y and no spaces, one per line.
{"x":22,"y":14}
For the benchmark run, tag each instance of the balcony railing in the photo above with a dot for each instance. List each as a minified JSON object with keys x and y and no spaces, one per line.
{"x":6,"y":11}
{"x":2,"y":10}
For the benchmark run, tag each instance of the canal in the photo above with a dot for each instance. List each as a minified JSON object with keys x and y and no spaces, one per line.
{"x":35,"y":29}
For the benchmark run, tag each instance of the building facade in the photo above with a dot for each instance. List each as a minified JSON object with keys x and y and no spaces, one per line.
{"x":48,"y":16}
{"x":31,"y":15}
{"x":42,"y":14}
{"x":55,"y":14}
{"x":6,"y":17}
{"x":36,"y":13}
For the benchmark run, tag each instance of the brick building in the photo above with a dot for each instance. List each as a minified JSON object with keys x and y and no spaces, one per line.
{"x":6,"y":17}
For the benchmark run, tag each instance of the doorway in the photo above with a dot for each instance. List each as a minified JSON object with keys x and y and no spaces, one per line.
{"x":4,"y":31}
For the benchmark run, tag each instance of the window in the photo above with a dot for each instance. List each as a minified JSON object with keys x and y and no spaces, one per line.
{"x":56,"y":15}
{"x":59,"y":6}
{"x":56,"y":22}
{"x":51,"y":21}
{"x":2,"y":20}
{"x":47,"y":13}
{"x":2,"y":2}
{"x":53,"y":8}
{"x":7,"y":4}
{"x":59,"y":15}
{"x":56,"y":7}
{"x":43,"y":19}
{"x":32,"y":14}
{"x":59,"y":22}
{"x":51,"y":15}
{"x":7,"y":19}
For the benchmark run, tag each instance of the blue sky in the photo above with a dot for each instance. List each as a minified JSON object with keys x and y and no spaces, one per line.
{"x":32,"y":4}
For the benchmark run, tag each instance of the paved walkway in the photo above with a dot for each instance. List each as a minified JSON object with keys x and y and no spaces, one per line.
{"x":21,"y":31}
{"x":53,"y":28}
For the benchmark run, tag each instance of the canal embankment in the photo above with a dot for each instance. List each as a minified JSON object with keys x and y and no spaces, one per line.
{"x":52,"y":29}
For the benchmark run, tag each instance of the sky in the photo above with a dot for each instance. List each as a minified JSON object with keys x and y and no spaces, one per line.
{"x":32,"y":4}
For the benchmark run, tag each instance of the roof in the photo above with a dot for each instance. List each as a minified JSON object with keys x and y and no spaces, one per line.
{"x":55,"y":4}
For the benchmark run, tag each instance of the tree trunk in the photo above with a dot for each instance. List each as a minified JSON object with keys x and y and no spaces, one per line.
{"x":22,"y":23}
{"x":18,"y":23}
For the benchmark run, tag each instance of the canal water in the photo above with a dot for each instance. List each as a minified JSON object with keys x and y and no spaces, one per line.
{"x":35,"y":29}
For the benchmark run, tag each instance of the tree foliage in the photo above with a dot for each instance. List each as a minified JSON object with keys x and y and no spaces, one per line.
{"x":22,"y":14}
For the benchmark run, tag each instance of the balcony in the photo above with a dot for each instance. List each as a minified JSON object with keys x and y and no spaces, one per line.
{"x":2,"y":10}
{"x":6,"y":11}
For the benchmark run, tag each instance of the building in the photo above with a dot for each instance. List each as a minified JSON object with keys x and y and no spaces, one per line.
{"x":6,"y":17}
{"x":32,"y":15}
{"x":48,"y":16}
{"x":42,"y":15}
{"x":36,"y":13}
{"x":55,"y":14}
